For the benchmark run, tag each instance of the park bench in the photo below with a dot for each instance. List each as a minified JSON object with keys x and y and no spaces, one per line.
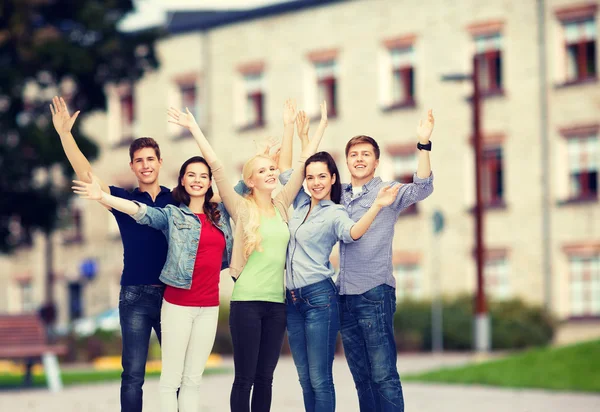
{"x":23,"y":337}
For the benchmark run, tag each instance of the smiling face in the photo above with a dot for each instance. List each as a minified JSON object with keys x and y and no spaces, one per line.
{"x":264,"y":174}
{"x":196,"y":179}
{"x":146,"y":165}
{"x":319,"y":181}
{"x":361,"y":162}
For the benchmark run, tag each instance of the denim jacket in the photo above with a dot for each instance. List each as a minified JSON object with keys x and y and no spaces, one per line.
{"x":182,"y":229}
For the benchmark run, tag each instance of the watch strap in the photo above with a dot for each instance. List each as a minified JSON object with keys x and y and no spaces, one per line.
{"x":424,"y":146}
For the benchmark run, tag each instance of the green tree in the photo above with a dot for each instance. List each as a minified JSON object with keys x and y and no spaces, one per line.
{"x":55,"y":47}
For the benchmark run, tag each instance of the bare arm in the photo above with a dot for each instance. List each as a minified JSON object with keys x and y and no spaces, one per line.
{"x":302,"y":126}
{"x":289,"y":117}
{"x":290,"y":189}
{"x":313,"y":145}
{"x":93,"y":191}
{"x":63,"y":123}
{"x":424,"y":131}
{"x":230,"y":198}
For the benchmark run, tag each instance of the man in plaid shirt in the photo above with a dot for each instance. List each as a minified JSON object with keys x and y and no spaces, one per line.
{"x":366,"y":282}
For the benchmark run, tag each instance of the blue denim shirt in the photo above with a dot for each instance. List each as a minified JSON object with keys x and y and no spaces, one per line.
{"x":312,"y":239}
{"x":182,"y":229}
{"x":367,"y":263}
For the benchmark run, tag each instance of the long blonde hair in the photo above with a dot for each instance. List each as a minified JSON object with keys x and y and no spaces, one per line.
{"x":251,"y":213}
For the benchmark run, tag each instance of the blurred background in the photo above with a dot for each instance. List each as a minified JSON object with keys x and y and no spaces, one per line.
{"x":380,"y":64}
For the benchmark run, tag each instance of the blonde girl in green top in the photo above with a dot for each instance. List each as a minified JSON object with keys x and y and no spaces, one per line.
{"x":257,"y":316}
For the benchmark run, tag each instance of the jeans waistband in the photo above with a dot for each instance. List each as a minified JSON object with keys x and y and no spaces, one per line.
{"x":326,"y":285}
{"x":147,"y":289}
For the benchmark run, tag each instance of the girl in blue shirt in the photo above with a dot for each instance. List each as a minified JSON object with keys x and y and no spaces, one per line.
{"x":317,"y":224}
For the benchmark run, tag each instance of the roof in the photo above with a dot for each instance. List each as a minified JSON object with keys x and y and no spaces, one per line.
{"x":182,"y":21}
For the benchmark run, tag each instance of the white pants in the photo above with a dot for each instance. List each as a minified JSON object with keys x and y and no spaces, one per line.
{"x":188,"y":335}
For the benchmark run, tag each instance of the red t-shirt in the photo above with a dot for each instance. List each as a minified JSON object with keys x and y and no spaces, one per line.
{"x":207,"y":270}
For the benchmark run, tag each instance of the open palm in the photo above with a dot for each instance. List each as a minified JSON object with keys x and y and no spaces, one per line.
{"x":302,"y":123}
{"x":387,"y":195}
{"x":425,"y":128}
{"x":186,"y":119}
{"x":61,"y":119}
{"x":289,"y":112}
{"x":90,"y":191}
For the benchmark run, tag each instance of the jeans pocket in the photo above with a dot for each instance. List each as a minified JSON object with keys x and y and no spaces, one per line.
{"x":129,"y":295}
{"x":374,"y":296}
{"x":320,"y":300}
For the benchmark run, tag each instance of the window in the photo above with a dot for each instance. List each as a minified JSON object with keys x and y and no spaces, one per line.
{"x":580,"y":46}
{"x":408,"y":281}
{"x":127,"y":113}
{"x":186,"y":97}
{"x":495,"y":272}
{"x":488,"y":51}
{"x":405,"y":165}
{"x":254,"y":100}
{"x":74,"y":217}
{"x":403,"y":77}
{"x":189,"y":99}
{"x":327,"y":85}
{"x":584,"y":285}
{"x":492,"y":176}
{"x":27,"y":301}
{"x":584,"y":162}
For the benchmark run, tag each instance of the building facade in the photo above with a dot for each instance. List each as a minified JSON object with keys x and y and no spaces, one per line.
{"x":379,"y":64}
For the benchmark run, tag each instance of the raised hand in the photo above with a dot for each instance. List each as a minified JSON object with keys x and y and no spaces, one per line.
{"x":90,"y":191}
{"x":324,"y":113}
{"x":182,"y":119}
{"x":289,"y":112}
{"x":302,"y":124}
{"x":63,"y":122}
{"x":387,"y":195}
{"x":264,"y":147}
{"x":425,"y":128}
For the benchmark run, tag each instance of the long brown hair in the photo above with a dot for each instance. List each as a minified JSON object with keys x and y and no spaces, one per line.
{"x":180,"y":195}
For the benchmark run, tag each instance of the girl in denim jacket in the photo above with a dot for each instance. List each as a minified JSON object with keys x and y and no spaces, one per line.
{"x":200,"y":244}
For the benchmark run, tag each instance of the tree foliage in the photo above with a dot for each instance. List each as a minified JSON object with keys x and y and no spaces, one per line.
{"x":55,"y":47}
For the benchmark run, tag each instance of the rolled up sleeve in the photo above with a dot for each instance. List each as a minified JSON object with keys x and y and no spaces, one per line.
{"x":343,"y":225}
{"x":414,"y":192}
{"x":155,"y":217}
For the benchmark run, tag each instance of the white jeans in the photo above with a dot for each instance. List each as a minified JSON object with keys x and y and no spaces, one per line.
{"x":188,"y":335}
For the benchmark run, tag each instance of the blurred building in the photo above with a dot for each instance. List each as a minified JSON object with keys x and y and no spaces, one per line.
{"x":379,"y":65}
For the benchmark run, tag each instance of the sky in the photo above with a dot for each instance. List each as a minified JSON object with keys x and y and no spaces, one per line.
{"x":153,"y":12}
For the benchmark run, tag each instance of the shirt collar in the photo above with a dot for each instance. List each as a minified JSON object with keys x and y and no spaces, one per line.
{"x":371,"y":184}
{"x":162,"y":190}
{"x":325,"y":203}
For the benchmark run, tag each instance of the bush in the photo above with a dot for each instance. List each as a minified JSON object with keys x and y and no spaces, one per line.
{"x":514,"y":325}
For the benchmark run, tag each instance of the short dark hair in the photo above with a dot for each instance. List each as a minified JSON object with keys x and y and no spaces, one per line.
{"x":142,"y":143}
{"x":336,"y":187}
{"x":363,"y":139}
{"x":181,"y":196}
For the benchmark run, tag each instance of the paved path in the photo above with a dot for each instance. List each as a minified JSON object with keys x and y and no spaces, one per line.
{"x":287,"y":396}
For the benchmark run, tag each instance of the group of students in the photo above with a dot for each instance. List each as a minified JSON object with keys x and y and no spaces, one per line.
{"x":177,"y":242}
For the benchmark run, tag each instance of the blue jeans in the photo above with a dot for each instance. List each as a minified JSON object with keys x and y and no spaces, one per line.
{"x":368,"y":336}
{"x":139,"y":312}
{"x":313,"y":323}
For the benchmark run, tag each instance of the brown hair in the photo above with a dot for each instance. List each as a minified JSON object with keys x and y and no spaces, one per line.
{"x":363,"y":139}
{"x":181,"y":196}
{"x":142,"y":143}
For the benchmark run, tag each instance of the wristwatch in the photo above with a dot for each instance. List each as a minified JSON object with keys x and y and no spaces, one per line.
{"x":424,"y":146}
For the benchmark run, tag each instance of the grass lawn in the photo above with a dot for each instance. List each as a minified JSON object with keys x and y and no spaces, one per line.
{"x":569,"y":368}
{"x":84,"y":377}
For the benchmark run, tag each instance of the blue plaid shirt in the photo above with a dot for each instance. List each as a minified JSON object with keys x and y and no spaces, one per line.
{"x":367,"y":263}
